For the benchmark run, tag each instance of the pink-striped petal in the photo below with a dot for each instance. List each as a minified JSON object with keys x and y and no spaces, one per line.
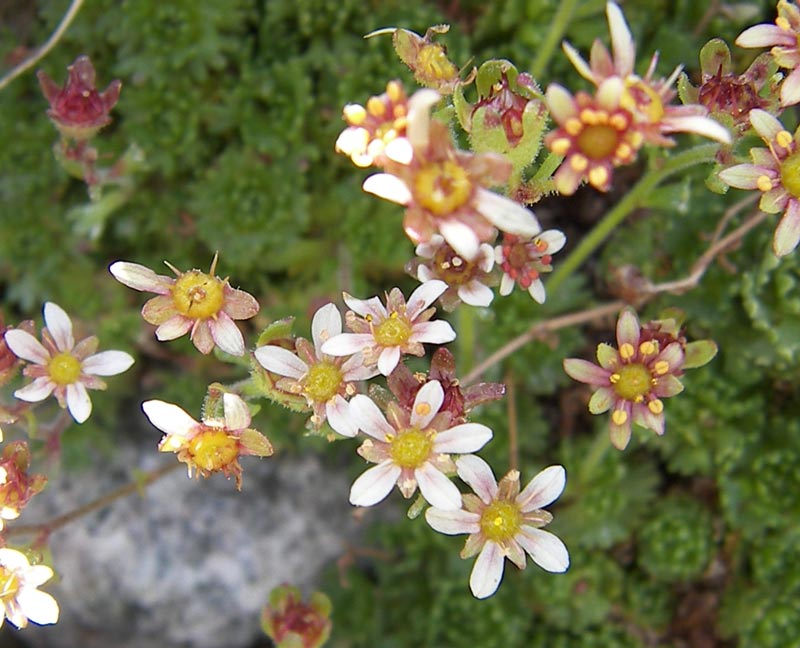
{"x":764,"y":36}
{"x":346,"y":344}
{"x":427,"y":403}
{"x":621,"y":40}
{"x":173,"y":328}
{"x":78,"y":402}
{"x":602,"y":400}
{"x":369,"y":419}
{"x":364,"y":307}
{"x":560,"y":102}
{"x":237,"y":414}
{"x":27,"y":347}
{"x":544,"y":548}
{"x":59,"y":325}
{"x":388,"y":187}
{"x":239,"y":304}
{"x":226,"y":334}
{"x":766,"y":124}
{"x":478,"y":474}
{"x":742,"y":176}
{"x":467,"y":437}
{"x":474,"y":293}
{"x":628,"y":329}
{"x":281,"y":361}
{"x":36,"y":391}
{"x":436,"y":332}
{"x":586,"y":372}
{"x":543,"y":489}
{"x":577,"y":61}
{"x":790,"y":89}
{"x":354,"y":369}
{"x":327,"y":323}
{"x":452,"y":522}
{"x":138,"y":277}
{"x":388,"y":360}
{"x":107,"y":363}
{"x":787,"y":234}
{"x":375,"y":484}
{"x":169,"y":418}
{"x":338,"y":412}
{"x":437,"y":489}
{"x":487,"y":572}
{"x":507,"y":215}
{"x":424,"y":296}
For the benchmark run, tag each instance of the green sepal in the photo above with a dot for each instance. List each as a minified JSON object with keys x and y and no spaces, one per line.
{"x":278,"y":330}
{"x":463,"y":108}
{"x":491,"y":72}
{"x":263,"y":382}
{"x":416,"y":508}
{"x":699,"y":353}
{"x":687,"y":93}
{"x":714,"y":55}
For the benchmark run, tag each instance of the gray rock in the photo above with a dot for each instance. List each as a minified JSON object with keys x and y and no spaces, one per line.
{"x":192,"y":562}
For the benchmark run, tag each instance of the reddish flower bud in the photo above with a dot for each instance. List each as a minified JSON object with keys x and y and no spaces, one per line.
{"x":78,"y":110}
{"x":17,"y":487}
{"x":290,"y":623}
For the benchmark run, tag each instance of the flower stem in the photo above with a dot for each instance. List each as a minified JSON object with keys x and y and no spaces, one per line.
{"x":466,"y":338}
{"x":554,"y":34}
{"x":683,"y":160}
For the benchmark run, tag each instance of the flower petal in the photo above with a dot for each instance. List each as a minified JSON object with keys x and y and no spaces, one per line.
{"x":705,"y":126}
{"x":437,"y":489}
{"x":237,"y":414}
{"x":546,"y":549}
{"x":452,"y":522}
{"x":39,"y":607}
{"x":742,"y":176}
{"x":169,"y":418}
{"x":369,"y":419}
{"x":173,"y":328}
{"x":375,"y":484}
{"x":586,"y":372}
{"x":602,"y":400}
{"x":437,"y":332}
{"x":621,"y":41}
{"x":475,"y":293}
{"x":763,"y":36}
{"x":226,"y":334}
{"x":37,"y":575}
{"x":388,"y":360}
{"x":507,"y":215}
{"x":790,"y":89}
{"x":487,"y":572}
{"x":461,"y":238}
{"x":59,"y":325}
{"x":419,"y":116}
{"x":424,"y":296}
{"x":338,"y":412}
{"x":427,"y":403}
{"x":388,"y":187}
{"x":536,"y":291}
{"x":478,"y":474}
{"x":578,"y":61}
{"x":787,"y":234}
{"x":107,"y":363}
{"x":27,"y":347}
{"x":36,"y":391}
{"x":560,"y":102}
{"x":628,"y":329}
{"x":280,"y":361}
{"x":239,"y":304}
{"x":138,"y":277}
{"x":346,"y":344}
{"x":78,"y":402}
{"x":327,"y":323}
{"x":365,"y":307}
{"x":467,"y":437}
{"x":766,"y":124}
{"x":544,"y":488}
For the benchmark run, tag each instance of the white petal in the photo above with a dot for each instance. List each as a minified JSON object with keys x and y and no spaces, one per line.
{"x":578,"y":61}
{"x":346,"y":344}
{"x":369,"y":419}
{"x":427,"y":403}
{"x":436,"y":332}
{"x":354,"y":369}
{"x":13,"y":559}
{"x":327,"y":322}
{"x":487,"y":572}
{"x":428,"y":250}
{"x":27,"y":347}
{"x":364,"y":307}
{"x":173,"y":328}
{"x":424,"y":296}
{"x":338,"y":412}
{"x":280,"y":361}
{"x":478,"y":474}
{"x":37,"y":391}
{"x":506,"y":285}
{"x":399,"y":150}
{"x":555,"y":240}
{"x":453,"y":522}
{"x":437,"y":489}
{"x":467,"y":437}
{"x":37,"y":575}
{"x":419,"y":116}
{"x":546,"y":549}
{"x":38,"y":606}
{"x":59,"y":325}
{"x":78,"y":402}
{"x":388,"y":187}
{"x":461,"y":238}
{"x":237,"y":414}
{"x":388,"y":360}
{"x":766,"y":124}
{"x":169,"y":418}
{"x":543,"y":489}
{"x":138,"y":277}
{"x":704,"y":126}
{"x":226,"y":334}
{"x":621,"y":40}
{"x":475,"y":293}
{"x":507,"y":215}
{"x":536,"y":291}
{"x":375,"y":484}
{"x":560,"y":102}
{"x":107,"y":363}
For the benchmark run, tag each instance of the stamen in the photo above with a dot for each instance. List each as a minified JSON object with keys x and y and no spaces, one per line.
{"x":354,"y":114}
{"x":661,"y":367}
{"x":578,"y":163}
{"x":784,"y":138}
{"x":422,"y":409}
{"x":764,"y":183}
{"x":619,"y":417}
{"x":561,"y":145}
{"x":655,"y":406}
{"x":626,"y":351}
{"x":376,"y":107}
{"x":598,"y":177}
{"x":648,"y":348}
{"x":784,"y":24}
{"x":573,"y":126}
{"x":614,"y":378}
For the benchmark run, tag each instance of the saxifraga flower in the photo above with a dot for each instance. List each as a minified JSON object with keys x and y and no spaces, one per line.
{"x":17,"y":485}
{"x":523,"y":261}
{"x":503,"y":522}
{"x":20,"y":599}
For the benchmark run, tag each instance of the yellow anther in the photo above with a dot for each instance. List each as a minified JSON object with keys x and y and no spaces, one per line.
{"x":376,"y":107}
{"x":573,"y":126}
{"x":764,"y":183}
{"x":784,"y":24}
{"x":614,"y":378}
{"x":354,"y":114}
{"x":394,"y":90}
{"x":457,"y":262}
{"x":624,"y":152}
{"x":661,"y":367}
{"x":655,"y":406}
{"x":598,"y":177}
{"x":626,"y":351}
{"x":636,"y":140}
{"x":618,"y":121}
{"x":589,"y":116}
{"x":619,"y":417}
{"x":648,"y":348}
{"x":784,"y":138}
{"x":579,"y":163}
{"x":561,"y":145}
{"x":422,"y":409}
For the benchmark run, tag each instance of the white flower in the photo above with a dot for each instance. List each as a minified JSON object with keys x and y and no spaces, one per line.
{"x":524,"y":261}
{"x":325,"y":381}
{"x":20,"y":600}
{"x":62,"y":367}
{"x":464,"y":278}
{"x":412,"y":448}
{"x":382,"y":334}
{"x":503,"y":522}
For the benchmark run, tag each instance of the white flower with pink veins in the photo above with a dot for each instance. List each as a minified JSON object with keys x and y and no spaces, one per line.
{"x":61,"y":367}
{"x":412,"y":448}
{"x":383,"y":334}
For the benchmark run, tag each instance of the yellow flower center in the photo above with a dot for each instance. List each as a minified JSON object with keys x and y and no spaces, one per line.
{"x":198,"y":295}
{"x":64,"y":368}
{"x":9,"y":585}
{"x":442,"y":187}
{"x":790,"y":174}
{"x":598,"y":141}
{"x":322,"y":382}
{"x":411,"y":447}
{"x":393,"y":331}
{"x":213,"y":449}
{"x":632,"y":382}
{"x":501,"y":521}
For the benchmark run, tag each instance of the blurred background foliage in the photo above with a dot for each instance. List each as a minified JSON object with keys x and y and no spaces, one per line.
{"x":686,"y":540}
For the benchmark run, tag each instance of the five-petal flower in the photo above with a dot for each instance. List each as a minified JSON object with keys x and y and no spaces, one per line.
{"x":20,"y":599}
